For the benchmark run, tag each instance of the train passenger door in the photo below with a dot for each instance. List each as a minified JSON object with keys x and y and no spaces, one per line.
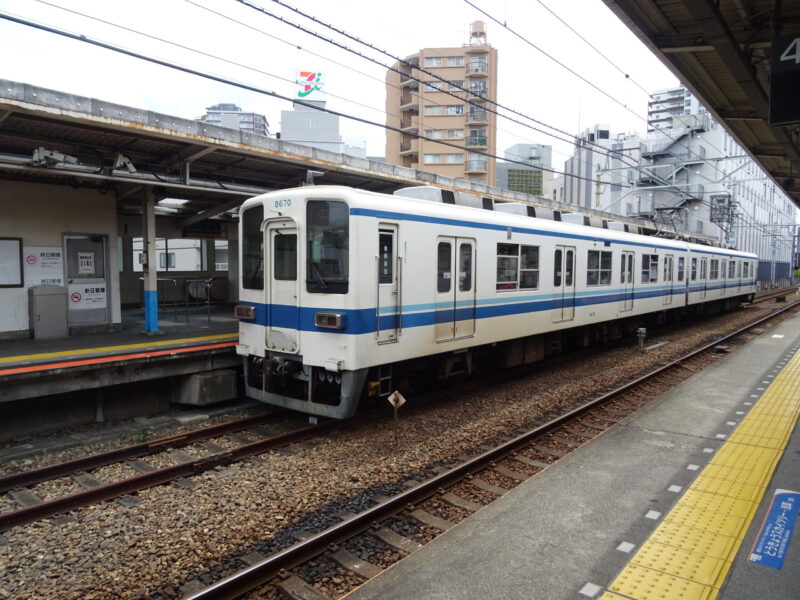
{"x":703,"y":277}
{"x":626,"y":279}
{"x":283,"y":310}
{"x":668,"y":278}
{"x":738,"y":275}
{"x":564,"y":283}
{"x":387,"y":310}
{"x":455,"y":288}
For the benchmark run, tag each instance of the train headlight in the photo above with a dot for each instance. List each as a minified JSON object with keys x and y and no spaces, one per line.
{"x":245,"y":311}
{"x":329,"y":320}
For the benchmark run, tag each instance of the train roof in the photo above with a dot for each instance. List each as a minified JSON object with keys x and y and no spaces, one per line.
{"x":392,"y":206}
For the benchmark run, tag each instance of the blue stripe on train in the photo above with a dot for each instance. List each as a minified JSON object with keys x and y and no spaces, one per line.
{"x":356,"y":322}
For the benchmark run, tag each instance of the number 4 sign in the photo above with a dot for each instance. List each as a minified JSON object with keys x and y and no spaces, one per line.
{"x":784,"y":80}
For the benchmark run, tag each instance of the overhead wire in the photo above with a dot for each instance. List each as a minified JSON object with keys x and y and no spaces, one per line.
{"x":226,"y":81}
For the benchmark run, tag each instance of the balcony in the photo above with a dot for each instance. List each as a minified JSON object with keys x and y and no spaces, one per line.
{"x":475,"y":165}
{"x":406,"y":81}
{"x":477,"y":141}
{"x":406,"y":122}
{"x":477,"y":69}
{"x":409,"y":148}
{"x":409,"y":102}
{"x":479,"y":92}
{"x":477,"y":116}
{"x":477,"y":49}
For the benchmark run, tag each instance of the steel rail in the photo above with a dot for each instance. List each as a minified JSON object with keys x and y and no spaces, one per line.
{"x":248,"y":579}
{"x":101,"y":459}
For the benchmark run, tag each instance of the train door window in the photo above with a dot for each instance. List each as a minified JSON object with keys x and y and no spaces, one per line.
{"x":464,"y":267}
{"x":714,"y":271}
{"x":681,"y":261}
{"x":694,"y":269}
{"x":385,"y":254}
{"x":703,"y":269}
{"x":285,"y":257}
{"x":253,"y":249}
{"x":649,"y":268}
{"x":745,"y":270}
{"x":507,"y":266}
{"x":630,"y":268}
{"x":623,"y":268}
{"x":557,"y":270}
{"x":443,"y":274}
{"x":732,"y":269}
{"x":569,"y":268}
{"x":529,"y":267}
{"x":668,"y":267}
{"x":722,"y":271}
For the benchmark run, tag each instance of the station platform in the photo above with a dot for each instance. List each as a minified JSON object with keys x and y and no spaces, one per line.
{"x":201,"y":341}
{"x":679,"y":501}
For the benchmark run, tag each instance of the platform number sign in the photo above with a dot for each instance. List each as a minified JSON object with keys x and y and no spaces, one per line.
{"x":784,"y":80}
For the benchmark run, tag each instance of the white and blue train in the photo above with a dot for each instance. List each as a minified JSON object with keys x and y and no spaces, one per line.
{"x":347,"y":294}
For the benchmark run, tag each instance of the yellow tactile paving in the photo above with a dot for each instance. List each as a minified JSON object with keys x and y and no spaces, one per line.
{"x":690,"y":553}
{"x":82,"y":351}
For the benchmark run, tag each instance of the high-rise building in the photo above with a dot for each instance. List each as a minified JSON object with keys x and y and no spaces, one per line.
{"x":665,"y":105}
{"x":529,"y":178}
{"x":452,"y":109}
{"x":232,"y":117}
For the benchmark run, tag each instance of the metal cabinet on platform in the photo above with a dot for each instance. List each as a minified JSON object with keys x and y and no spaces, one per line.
{"x":47,"y":311}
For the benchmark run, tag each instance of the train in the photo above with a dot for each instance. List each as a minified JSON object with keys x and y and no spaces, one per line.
{"x":346,"y":295}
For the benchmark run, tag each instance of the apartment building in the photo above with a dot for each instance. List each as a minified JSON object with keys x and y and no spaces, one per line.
{"x":233,"y":117}
{"x":665,"y":105}
{"x":447,"y":102}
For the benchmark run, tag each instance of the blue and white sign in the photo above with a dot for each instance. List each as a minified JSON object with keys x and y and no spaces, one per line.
{"x":776,"y":531}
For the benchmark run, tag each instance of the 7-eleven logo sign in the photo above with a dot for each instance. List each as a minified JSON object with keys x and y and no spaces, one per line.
{"x":309,"y":81}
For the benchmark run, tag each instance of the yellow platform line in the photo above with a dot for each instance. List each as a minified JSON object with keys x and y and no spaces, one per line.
{"x":82,"y":351}
{"x":689,"y":554}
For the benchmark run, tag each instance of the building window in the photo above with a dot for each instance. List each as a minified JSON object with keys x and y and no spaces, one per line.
{"x":435,"y":159}
{"x":649,"y":268}
{"x":455,"y":61}
{"x":433,"y":61}
{"x":455,"y":109}
{"x":598,"y":271}
{"x":431,"y":159}
{"x":433,"y":110}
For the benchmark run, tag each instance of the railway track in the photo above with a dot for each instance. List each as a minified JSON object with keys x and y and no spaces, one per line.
{"x":333,"y":560}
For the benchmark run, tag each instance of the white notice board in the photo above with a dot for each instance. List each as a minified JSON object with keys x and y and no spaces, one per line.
{"x":10,"y":262}
{"x":44,"y":265}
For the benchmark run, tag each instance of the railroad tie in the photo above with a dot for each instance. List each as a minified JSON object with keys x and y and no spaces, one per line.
{"x":548,"y":451}
{"x":297,"y":589}
{"x":529,"y":461}
{"x":353,"y":563}
{"x":86,"y":481}
{"x":24,"y":497}
{"x":566,"y":441}
{"x":460,"y":502}
{"x":423,"y":516}
{"x":515,"y":475}
{"x":395,"y":540}
{"x":252,"y":558}
{"x":487,"y":487}
{"x":141,"y":466}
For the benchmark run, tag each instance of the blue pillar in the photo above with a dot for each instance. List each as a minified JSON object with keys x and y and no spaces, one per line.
{"x":149,"y":266}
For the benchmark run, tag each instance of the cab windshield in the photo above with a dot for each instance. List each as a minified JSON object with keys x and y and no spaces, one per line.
{"x":328,"y":247}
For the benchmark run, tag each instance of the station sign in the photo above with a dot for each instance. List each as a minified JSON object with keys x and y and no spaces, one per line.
{"x":784,"y":109}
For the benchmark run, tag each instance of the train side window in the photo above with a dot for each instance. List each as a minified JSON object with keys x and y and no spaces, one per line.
{"x":253,"y":248}
{"x":529,"y":267}
{"x":507,"y":267}
{"x":328,"y":252}
{"x":598,"y":270}
{"x":465,"y":267}
{"x":649,"y":268}
{"x":558,"y":267}
{"x":569,"y":268}
{"x":285,"y":257}
{"x":714,"y":270}
{"x":732,"y":269}
{"x":694,"y":269}
{"x":681,"y":260}
{"x":746,"y":269}
{"x":443,"y":274}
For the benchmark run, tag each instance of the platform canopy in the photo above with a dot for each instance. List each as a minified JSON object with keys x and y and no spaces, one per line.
{"x":721,"y":51}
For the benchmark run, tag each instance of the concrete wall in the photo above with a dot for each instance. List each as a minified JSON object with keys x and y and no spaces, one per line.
{"x":41,"y":214}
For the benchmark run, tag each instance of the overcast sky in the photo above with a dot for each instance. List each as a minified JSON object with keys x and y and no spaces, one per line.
{"x":271,"y":53}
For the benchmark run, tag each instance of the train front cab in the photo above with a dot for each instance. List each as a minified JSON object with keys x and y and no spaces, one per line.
{"x":295,"y":297}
